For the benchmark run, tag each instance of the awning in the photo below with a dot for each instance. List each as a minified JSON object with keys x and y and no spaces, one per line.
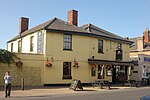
{"x":100,"y":62}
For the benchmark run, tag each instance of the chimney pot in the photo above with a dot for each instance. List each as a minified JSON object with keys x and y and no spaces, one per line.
{"x":23,"y":24}
{"x":73,"y":17}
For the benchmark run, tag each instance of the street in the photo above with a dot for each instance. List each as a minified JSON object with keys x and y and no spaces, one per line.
{"x":115,"y":94}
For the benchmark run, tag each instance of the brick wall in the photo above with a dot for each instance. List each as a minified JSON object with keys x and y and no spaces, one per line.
{"x":146,"y":35}
{"x":31,"y":75}
{"x":73,"y":17}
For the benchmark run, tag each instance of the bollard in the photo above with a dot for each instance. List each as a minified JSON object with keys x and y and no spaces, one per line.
{"x":22,"y":84}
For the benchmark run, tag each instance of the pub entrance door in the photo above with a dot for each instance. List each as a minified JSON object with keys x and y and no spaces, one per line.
{"x":115,"y":72}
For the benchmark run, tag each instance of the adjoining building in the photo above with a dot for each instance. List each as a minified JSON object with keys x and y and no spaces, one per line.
{"x":71,"y":52}
{"x":140,"y":54}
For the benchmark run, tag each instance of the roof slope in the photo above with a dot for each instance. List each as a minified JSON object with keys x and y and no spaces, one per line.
{"x":54,"y":24}
{"x":98,"y":31}
{"x":60,"y":25}
{"x":36,"y":28}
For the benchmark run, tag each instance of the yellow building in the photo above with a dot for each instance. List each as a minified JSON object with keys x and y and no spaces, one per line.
{"x":140,"y":53}
{"x":70,"y":52}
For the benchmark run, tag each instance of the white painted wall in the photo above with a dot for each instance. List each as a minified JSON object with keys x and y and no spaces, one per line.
{"x":26,"y":43}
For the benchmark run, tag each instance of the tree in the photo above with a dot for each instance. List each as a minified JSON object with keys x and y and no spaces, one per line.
{"x":7,"y":57}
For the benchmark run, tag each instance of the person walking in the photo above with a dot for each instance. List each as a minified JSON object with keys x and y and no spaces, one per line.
{"x":8,"y":80}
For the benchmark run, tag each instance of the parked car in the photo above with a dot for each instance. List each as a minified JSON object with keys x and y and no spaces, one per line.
{"x":145,"y":98}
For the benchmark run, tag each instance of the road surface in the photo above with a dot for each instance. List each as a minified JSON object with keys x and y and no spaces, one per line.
{"x":115,"y":94}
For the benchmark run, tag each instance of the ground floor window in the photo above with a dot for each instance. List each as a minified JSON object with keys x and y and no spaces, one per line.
{"x":67,"y":70}
{"x":101,"y":71}
{"x":93,"y":71}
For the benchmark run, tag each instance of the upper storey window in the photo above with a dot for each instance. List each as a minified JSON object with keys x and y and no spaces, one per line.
{"x":31,"y":43}
{"x":119,"y":46}
{"x":67,"y":42}
{"x":100,"y":46}
{"x":19,"y":46}
{"x":12,"y":47}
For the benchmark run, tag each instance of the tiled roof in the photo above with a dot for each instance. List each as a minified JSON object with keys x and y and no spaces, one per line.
{"x":54,"y":24}
{"x":103,"y":33}
{"x":60,"y":25}
{"x":36,"y":28}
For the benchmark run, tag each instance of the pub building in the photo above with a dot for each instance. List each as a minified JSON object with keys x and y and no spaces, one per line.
{"x":61,"y":51}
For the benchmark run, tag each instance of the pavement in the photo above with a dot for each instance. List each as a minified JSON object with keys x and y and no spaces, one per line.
{"x":52,"y":90}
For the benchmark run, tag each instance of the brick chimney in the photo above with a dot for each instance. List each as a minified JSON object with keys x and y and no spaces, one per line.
{"x":146,"y":35}
{"x":23,"y":24}
{"x":73,"y":17}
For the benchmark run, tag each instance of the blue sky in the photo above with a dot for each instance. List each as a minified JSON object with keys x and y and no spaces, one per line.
{"x":127,"y":18}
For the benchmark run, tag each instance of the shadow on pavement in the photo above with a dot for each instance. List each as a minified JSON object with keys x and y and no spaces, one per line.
{"x":35,"y":87}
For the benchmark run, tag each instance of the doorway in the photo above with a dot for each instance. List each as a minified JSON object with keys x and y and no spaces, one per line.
{"x":115,"y":71}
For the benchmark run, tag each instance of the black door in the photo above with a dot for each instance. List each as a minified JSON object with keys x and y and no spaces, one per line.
{"x":126,"y":72}
{"x":114,"y":74}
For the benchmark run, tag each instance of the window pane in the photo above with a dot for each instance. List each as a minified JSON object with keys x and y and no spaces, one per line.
{"x":119,"y":46}
{"x":93,"y":71}
{"x":100,"y":46}
{"x":11,"y":47}
{"x":119,"y":55}
{"x":67,"y":41}
{"x":31,"y":43}
{"x":19,"y":46}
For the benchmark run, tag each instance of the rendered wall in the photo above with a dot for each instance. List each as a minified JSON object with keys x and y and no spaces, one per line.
{"x":26,"y":43}
{"x":83,"y":48}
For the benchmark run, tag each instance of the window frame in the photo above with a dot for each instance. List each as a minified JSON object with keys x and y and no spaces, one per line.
{"x":68,"y":68}
{"x":93,"y":71}
{"x":119,"y":55}
{"x":19,"y":46}
{"x":69,"y":42}
{"x":12,"y":46}
{"x":102,"y":51}
{"x":119,"y":46}
{"x":31,"y":43}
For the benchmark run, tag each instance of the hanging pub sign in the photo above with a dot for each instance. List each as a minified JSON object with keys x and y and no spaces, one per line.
{"x":119,"y":55}
{"x":39,"y":42}
{"x":108,"y":70}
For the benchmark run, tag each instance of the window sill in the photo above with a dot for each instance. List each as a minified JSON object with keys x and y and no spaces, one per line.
{"x":68,"y":49}
{"x":101,"y":52}
{"x":69,"y":78}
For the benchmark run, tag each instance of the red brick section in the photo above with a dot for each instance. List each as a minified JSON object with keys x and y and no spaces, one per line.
{"x":73,"y":17}
{"x":23,"y":24}
{"x":146,"y":35}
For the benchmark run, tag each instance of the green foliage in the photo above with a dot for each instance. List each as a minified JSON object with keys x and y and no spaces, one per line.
{"x":7,"y":57}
